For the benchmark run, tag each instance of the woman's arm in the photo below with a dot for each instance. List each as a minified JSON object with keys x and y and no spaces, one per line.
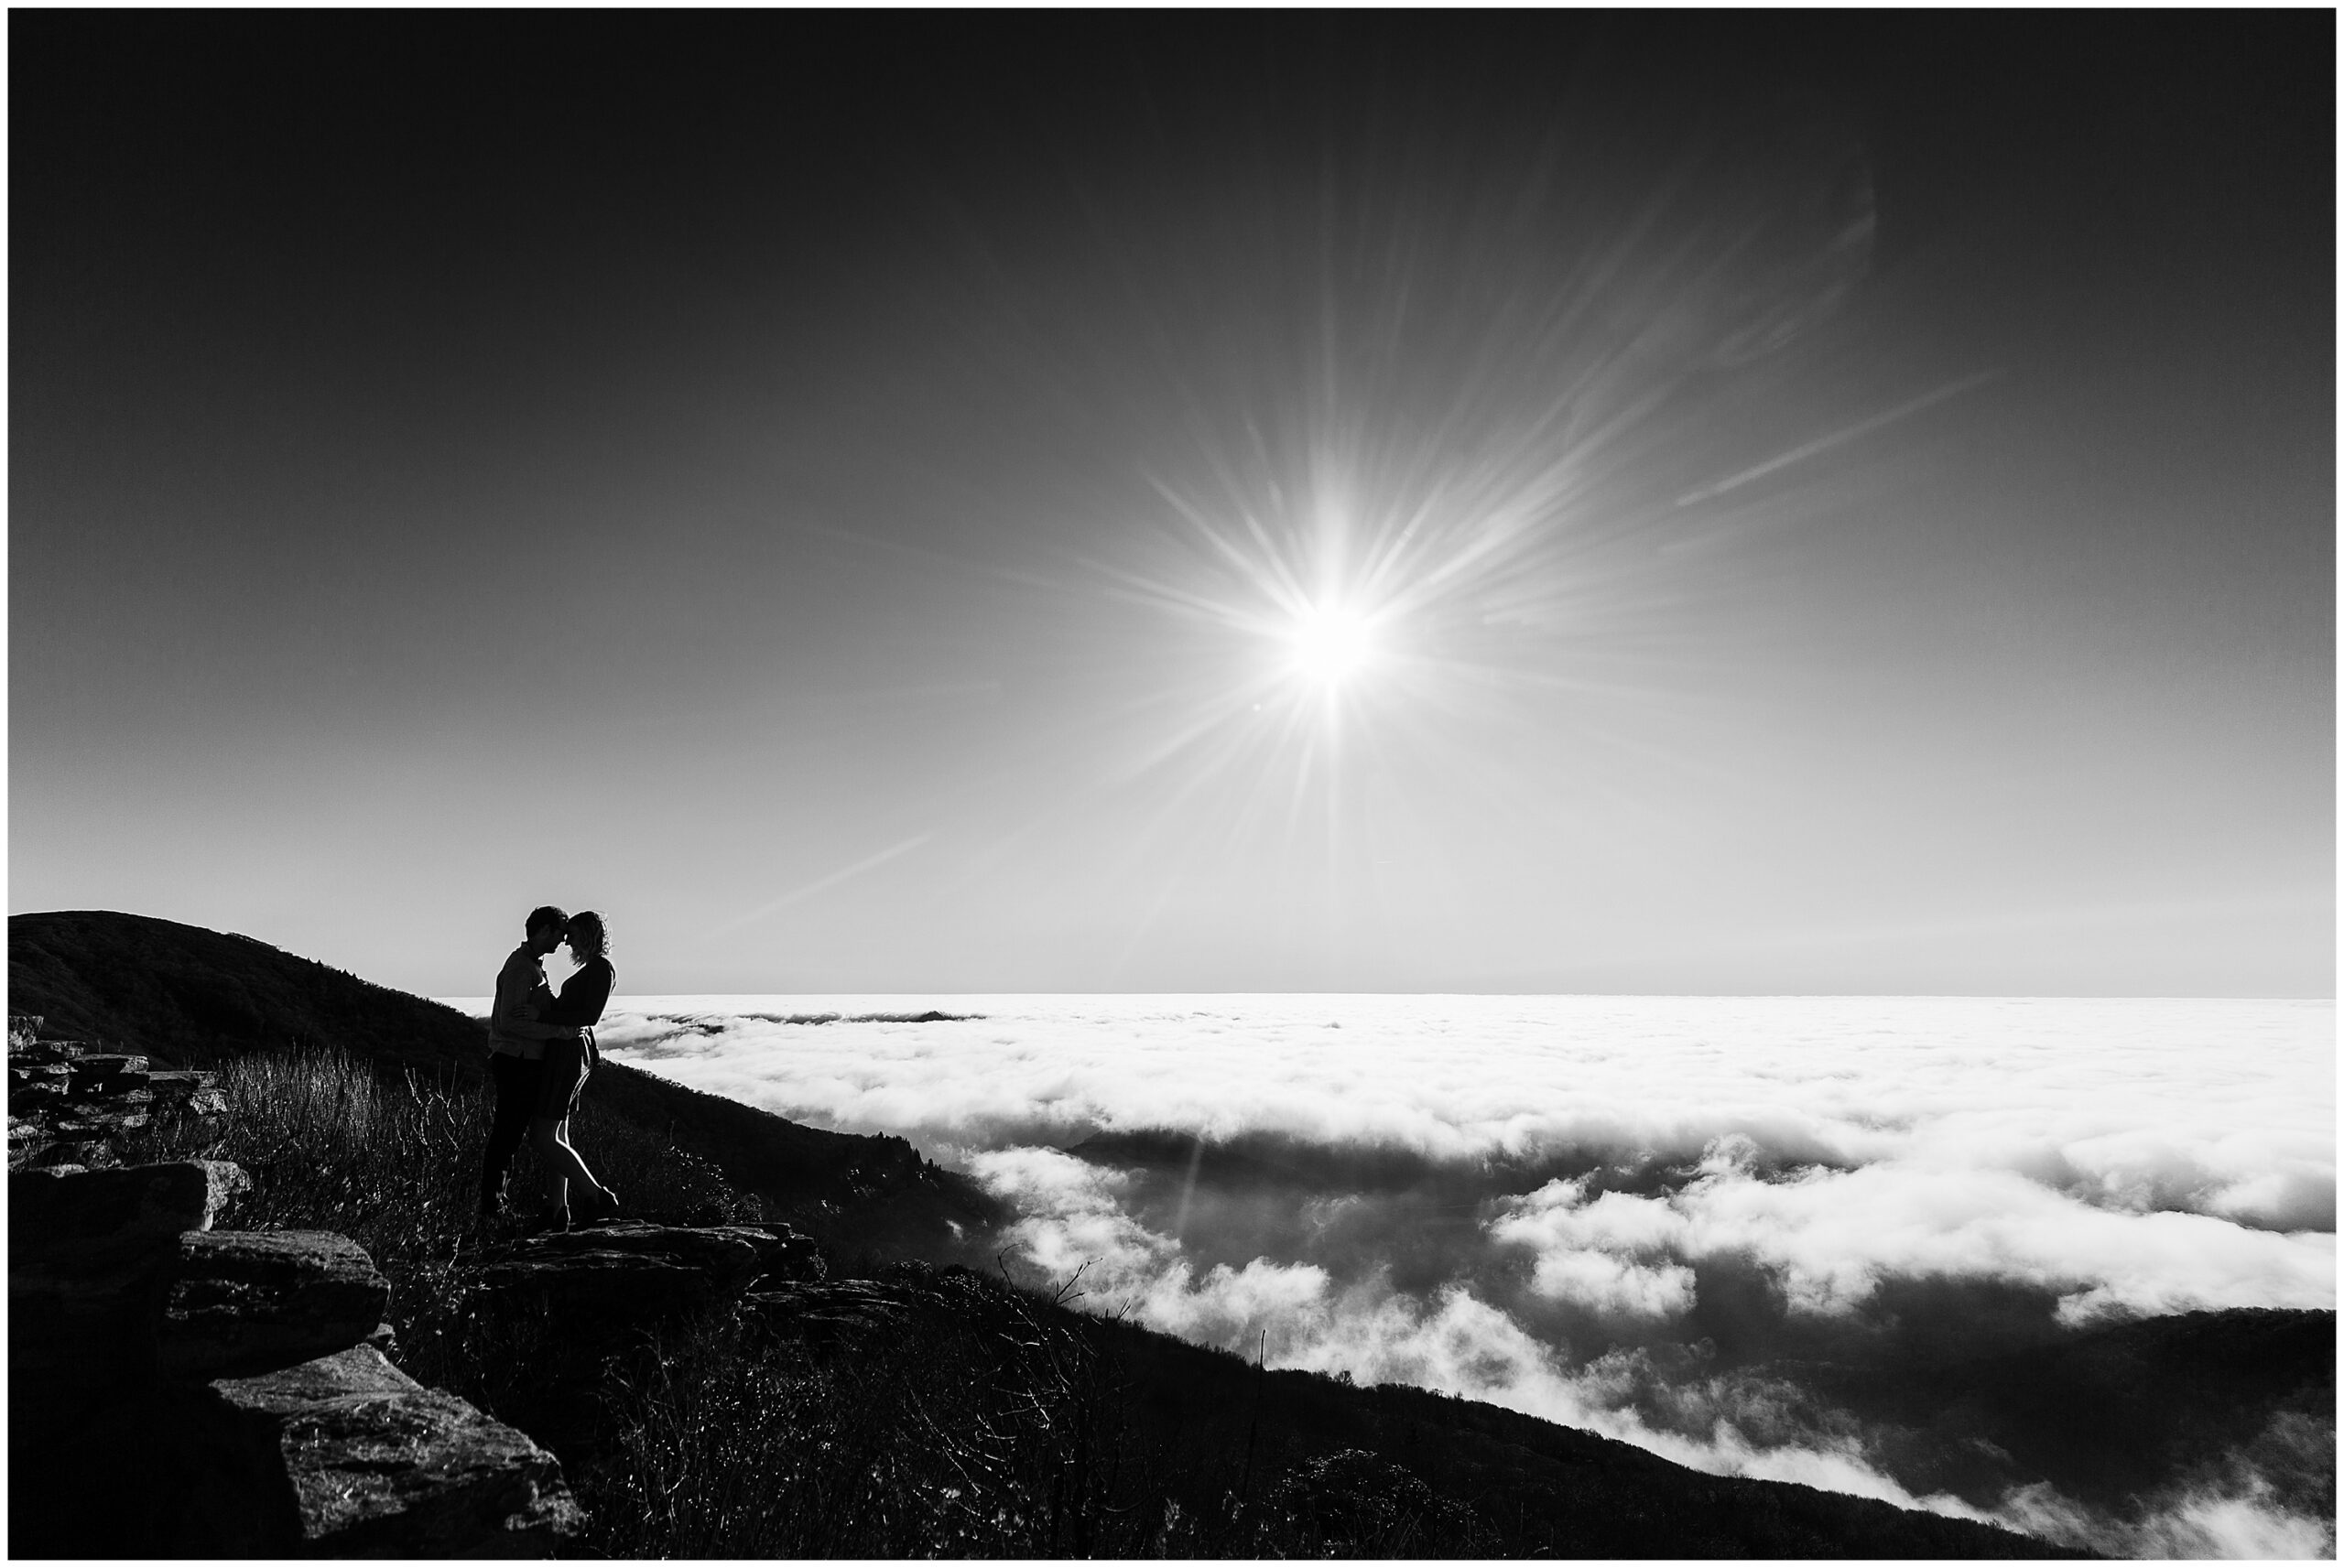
{"x":583,"y":997}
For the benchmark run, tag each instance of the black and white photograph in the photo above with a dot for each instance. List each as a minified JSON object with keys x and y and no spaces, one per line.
{"x":1198,"y":783}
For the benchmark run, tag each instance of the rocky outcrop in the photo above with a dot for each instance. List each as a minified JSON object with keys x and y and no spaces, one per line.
{"x":574,"y":1304}
{"x":239,"y":1377}
{"x":68,"y":1103}
{"x":88,"y":1253}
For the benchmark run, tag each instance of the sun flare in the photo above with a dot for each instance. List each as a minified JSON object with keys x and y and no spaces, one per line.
{"x":1330,"y":643}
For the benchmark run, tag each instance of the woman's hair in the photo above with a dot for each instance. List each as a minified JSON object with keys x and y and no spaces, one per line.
{"x":586,"y":931}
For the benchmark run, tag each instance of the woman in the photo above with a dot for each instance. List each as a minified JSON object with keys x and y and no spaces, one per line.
{"x":568,"y":1064}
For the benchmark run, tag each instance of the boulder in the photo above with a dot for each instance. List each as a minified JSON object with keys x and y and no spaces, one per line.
{"x":239,"y":1303}
{"x":24,"y":1028}
{"x":88,"y":1250}
{"x":345,"y":1455}
{"x":99,"y":1212}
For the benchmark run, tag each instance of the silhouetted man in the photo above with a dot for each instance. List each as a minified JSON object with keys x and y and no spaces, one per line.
{"x":516,"y":1048}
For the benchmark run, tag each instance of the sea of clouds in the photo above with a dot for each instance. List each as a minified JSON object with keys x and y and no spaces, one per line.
{"x":1627,"y":1214}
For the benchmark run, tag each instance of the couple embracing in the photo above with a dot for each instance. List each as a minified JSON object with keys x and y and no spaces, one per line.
{"x":541,"y":1052}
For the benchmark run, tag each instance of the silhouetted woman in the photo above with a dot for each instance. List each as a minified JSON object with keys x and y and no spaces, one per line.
{"x":568,"y":1064}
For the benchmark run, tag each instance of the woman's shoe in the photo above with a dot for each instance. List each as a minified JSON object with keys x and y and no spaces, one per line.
{"x":602,"y":1210}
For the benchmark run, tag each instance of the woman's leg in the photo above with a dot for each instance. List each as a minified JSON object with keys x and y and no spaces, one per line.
{"x":584,"y":1183}
{"x":566,"y":1175}
{"x":545,"y":1137}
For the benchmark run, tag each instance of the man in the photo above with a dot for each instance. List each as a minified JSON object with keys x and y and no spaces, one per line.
{"x":516,"y":1047}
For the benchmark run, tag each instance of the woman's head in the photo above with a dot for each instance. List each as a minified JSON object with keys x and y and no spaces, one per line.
{"x":586,"y":937}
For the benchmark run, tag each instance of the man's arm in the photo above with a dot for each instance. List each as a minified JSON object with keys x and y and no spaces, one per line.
{"x":514,"y":1015}
{"x":520,"y":1021}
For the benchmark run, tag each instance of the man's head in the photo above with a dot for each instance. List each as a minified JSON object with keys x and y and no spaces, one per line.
{"x":545,"y":927}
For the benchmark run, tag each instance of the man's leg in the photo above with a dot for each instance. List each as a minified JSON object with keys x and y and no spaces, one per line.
{"x":517,"y":1083}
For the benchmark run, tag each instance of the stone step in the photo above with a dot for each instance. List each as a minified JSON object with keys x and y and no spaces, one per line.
{"x":109,"y":1064}
{"x":109,"y":1087}
{"x":91,"y":1154}
{"x":35,"y":1092}
{"x":172,"y":1083}
{"x":43,"y":1051}
{"x":88,"y":1124}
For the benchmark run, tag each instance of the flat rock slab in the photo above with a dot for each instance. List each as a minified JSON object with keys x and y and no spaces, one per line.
{"x":179,"y":1084}
{"x":749,"y":1251}
{"x":593,"y":1293}
{"x":631,"y":1271}
{"x":825,"y":1312}
{"x":348,"y":1456}
{"x":239,"y":1303}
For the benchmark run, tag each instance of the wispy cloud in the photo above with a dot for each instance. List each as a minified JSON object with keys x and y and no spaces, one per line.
{"x":820,"y":884}
{"x":1840,"y":437}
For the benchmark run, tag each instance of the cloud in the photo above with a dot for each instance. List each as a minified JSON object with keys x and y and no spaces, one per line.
{"x":1631,"y":1214}
{"x":1832,"y":1236}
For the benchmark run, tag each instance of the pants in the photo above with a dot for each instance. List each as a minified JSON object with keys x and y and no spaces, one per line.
{"x":520,"y":1083}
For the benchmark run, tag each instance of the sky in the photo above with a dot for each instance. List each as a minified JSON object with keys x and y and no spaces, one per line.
{"x":963,"y":503}
{"x":1715,"y":1227}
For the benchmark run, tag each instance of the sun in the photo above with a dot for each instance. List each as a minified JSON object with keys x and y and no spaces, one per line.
{"x":1331,"y":644}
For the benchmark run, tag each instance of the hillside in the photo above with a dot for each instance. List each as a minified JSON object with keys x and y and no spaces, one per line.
{"x":1175,"y":1445}
{"x":186,"y":997}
